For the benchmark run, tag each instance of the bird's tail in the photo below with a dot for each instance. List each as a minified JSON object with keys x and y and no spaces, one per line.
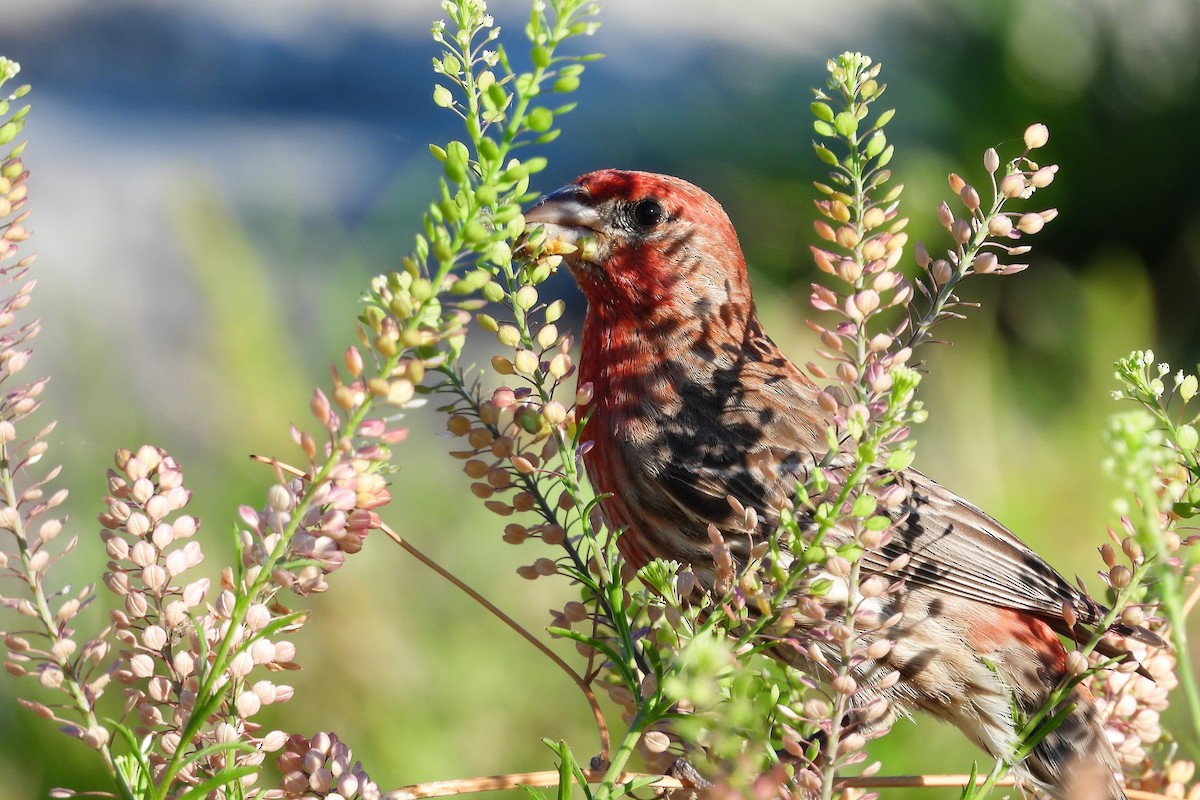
{"x":1075,"y":760}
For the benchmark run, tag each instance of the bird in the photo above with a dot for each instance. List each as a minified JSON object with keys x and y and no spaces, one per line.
{"x":695,"y":411}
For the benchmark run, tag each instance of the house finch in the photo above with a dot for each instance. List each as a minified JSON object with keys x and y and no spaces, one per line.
{"x":693,"y":404}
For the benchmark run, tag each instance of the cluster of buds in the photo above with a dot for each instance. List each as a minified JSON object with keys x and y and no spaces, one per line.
{"x":510,"y":442}
{"x":1152,"y":452}
{"x":984,"y":234}
{"x":849,"y":652}
{"x":13,"y":193}
{"x":1159,"y":442}
{"x":1175,"y":777}
{"x":170,"y":637}
{"x":13,"y":176}
{"x":46,"y":646}
{"x":1119,"y":570}
{"x":515,"y":435}
{"x":865,"y":241}
{"x":1132,"y":703}
{"x":334,"y":521}
{"x":51,"y":651}
{"x":871,"y":399}
{"x":980,"y":226}
{"x":320,"y":767}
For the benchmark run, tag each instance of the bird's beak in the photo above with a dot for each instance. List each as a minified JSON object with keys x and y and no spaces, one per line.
{"x":570,"y":222}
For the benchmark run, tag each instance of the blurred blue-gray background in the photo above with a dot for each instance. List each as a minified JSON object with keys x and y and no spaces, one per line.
{"x":213,"y":184}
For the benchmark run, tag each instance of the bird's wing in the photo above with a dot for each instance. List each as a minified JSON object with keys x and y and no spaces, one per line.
{"x":959,"y":550}
{"x":962,"y":551}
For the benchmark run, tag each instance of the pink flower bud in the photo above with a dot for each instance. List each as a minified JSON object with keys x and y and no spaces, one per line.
{"x":960,"y":229}
{"x":985,"y":263}
{"x":848,"y":237}
{"x":142,"y":665}
{"x":1012,"y":185}
{"x":969,"y":197}
{"x":154,"y":637}
{"x":991,"y":160}
{"x":1030,"y":223}
{"x":879,"y":648}
{"x":945,"y":215}
{"x":1000,"y":226}
{"x":154,"y":577}
{"x":921,"y":255}
{"x":1043,"y":176}
{"x":1036,"y":136}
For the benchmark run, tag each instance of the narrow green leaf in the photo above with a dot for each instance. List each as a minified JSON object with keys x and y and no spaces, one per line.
{"x":223,"y":778}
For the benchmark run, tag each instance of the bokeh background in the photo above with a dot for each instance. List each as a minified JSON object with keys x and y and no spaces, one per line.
{"x":215,"y":182}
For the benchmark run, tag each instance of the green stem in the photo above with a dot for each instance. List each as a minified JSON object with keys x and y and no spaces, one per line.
{"x":1171,"y":600}
{"x":841,"y":705}
{"x":608,"y":787}
{"x":924,"y":322}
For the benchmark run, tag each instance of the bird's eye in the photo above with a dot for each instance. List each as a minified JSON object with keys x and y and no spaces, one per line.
{"x":648,"y":213}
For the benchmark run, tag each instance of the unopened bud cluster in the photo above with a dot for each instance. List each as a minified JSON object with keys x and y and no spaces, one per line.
{"x":865,"y":240}
{"x":1151,"y":446}
{"x":320,"y":767}
{"x":983,"y":234}
{"x":1131,"y":705}
{"x":334,"y":520}
{"x":45,"y":644}
{"x":515,"y":438}
{"x":169,"y":628}
{"x":13,"y":194}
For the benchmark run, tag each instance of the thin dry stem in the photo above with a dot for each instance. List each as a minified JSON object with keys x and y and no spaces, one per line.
{"x":950,"y":781}
{"x":579,"y":680}
{"x":516,"y":780}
